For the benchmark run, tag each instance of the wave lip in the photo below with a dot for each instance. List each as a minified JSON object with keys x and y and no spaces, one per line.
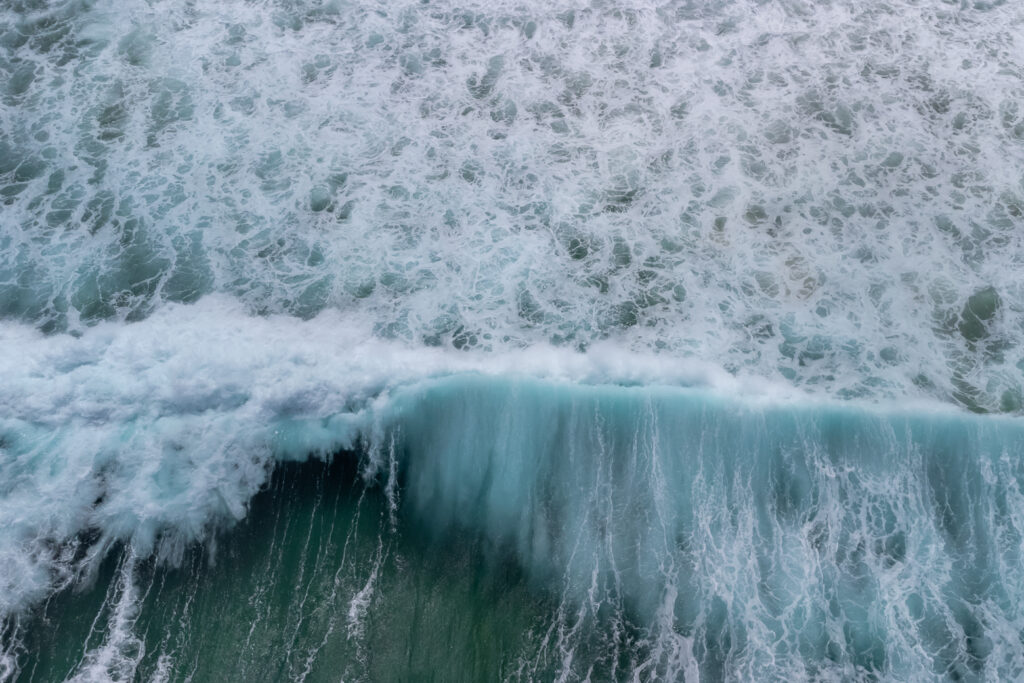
{"x":831,"y":537}
{"x":155,"y":430}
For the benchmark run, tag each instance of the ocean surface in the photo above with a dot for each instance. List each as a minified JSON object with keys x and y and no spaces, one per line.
{"x":345,"y":340}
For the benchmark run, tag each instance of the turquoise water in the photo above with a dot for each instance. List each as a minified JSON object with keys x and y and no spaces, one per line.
{"x":534,"y":341}
{"x":535,"y":530}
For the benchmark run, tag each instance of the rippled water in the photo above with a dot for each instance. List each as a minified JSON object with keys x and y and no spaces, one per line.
{"x":787,"y":236}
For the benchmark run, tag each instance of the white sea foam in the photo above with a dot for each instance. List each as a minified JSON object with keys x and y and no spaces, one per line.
{"x":807,"y":191}
{"x":118,"y":657}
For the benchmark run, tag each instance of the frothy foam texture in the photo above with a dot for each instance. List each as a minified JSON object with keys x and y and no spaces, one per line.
{"x":826,"y":193}
{"x":171,"y":423}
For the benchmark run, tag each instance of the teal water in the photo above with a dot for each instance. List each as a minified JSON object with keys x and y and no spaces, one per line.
{"x":535,"y":530}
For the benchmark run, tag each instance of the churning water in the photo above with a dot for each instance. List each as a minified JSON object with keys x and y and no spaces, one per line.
{"x":352,"y":340}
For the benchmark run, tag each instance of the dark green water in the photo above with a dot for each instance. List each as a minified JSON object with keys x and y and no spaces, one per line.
{"x":277,"y":598}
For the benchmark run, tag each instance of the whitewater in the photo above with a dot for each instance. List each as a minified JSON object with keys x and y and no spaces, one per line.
{"x":511,"y":340}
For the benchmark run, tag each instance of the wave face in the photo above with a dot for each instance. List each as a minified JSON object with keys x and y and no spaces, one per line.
{"x":489,"y":340}
{"x":608,"y":532}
